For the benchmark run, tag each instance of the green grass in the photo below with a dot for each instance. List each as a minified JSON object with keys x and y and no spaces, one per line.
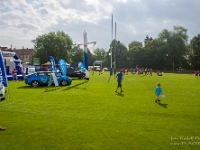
{"x":89,"y":115}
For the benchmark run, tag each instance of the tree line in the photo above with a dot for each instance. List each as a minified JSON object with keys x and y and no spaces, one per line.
{"x":170,"y":50}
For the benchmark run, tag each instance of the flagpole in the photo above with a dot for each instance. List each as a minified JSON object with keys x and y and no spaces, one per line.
{"x":111,"y":45}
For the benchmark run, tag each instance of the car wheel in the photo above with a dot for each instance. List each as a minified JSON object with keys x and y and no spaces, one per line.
{"x":83,"y":76}
{"x":35,"y":83}
{"x":63,"y":83}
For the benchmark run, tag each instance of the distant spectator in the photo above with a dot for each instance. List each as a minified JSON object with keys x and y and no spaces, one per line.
{"x":150,"y":71}
{"x":159,"y":73}
{"x":197,"y":73}
{"x":14,"y":72}
{"x":126,"y":71}
{"x":92,"y":70}
{"x":100,"y":70}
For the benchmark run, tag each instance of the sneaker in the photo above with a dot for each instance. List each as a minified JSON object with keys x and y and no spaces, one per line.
{"x":156,"y":101}
{"x":122,"y":91}
{"x":2,"y":128}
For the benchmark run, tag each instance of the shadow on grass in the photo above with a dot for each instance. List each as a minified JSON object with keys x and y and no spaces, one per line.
{"x":2,"y":100}
{"x":74,"y":86}
{"x":31,"y":87}
{"x":119,"y":94}
{"x":109,"y":79}
{"x":163,"y":105}
{"x":51,"y":88}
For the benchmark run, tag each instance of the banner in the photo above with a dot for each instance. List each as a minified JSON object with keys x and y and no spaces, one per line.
{"x":63,"y":67}
{"x":81,"y":65}
{"x":3,"y":77}
{"x":53,"y":66}
{"x":86,"y":56}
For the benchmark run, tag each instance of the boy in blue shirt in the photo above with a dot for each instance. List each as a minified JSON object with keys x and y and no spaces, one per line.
{"x":158,"y":92}
{"x":119,"y":77}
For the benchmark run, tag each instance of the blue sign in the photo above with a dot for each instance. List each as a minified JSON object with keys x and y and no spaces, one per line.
{"x":81,"y":65}
{"x":63,"y":67}
{"x":53,"y":66}
{"x":3,"y":78}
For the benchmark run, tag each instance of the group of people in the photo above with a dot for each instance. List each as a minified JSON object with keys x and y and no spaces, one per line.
{"x":145,"y":71}
{"x":139,"y":71}
{"x":119,"y":77}
{"x":100,"y":70}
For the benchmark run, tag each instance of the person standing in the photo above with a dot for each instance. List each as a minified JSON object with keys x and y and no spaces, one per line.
{"x":197,"y":73}
{"x":119,"y":77}
{"x":14,"y":72}
{"x":92,"y":70}
{"x":158,"y":92}
{"x":100,"y":70}
{"x":150,"y":71}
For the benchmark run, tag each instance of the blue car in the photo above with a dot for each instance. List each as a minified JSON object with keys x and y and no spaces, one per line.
{"x":42,"y":78}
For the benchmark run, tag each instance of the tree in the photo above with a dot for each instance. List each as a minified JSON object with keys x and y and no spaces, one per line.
{"x":99,"y":54}
{"x":56,"y":44}
{"x":77,"y":55}
{"x":119,"y":54}
{"x":175,"y":45}
{"x":147,"y":39}
{"x":91,"y":58}
{"x":134,"y":45}
{"x":155,"y":52}
{"x":195,"y":52}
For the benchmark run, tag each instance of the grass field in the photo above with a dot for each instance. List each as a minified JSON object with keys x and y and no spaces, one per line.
{"x":89,"y":115}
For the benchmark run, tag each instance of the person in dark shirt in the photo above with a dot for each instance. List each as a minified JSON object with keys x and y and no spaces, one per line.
{"x":119,"y":77}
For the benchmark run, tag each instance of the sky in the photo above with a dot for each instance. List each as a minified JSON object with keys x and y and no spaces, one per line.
{"x":24,"y":20}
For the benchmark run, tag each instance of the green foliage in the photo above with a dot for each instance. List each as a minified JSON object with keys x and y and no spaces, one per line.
{"x":147,"y":39}
{"x":56,"y":44}
{"x":91,"y":58}
{"x":195,"y":51}
{"x":134,"y":45}
{"x":77,"y":55}
{"x":175,"y":45}
{"x":119,"y":54}
{"x":99,"y":54}
{"x":90,"y":115}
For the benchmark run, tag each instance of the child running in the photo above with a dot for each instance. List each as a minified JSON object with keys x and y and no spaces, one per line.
{"x":158,"y":92}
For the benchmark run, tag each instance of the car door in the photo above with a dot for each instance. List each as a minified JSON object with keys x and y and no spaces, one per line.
{"x":43,"y":78}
